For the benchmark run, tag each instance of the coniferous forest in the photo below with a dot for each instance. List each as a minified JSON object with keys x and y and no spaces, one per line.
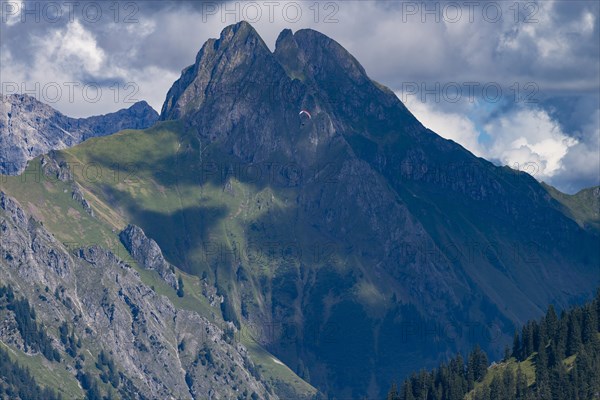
{"x":17,"y":382}
{"x":556,"y":357}
{"x":34,"y":336}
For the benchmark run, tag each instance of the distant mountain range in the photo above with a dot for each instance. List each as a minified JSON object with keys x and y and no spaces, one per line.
{"x":29,"y":128}
{"x":340,"y":252}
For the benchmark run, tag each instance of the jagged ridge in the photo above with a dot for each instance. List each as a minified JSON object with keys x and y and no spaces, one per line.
{"x":29,"y":128}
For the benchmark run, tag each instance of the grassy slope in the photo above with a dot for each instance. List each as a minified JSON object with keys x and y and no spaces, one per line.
{"x":46,"y":374}
{"x":527,"y":366}
{"x":153,"y":193}
{"x":583,"y":206}
{"x":50,"y":200}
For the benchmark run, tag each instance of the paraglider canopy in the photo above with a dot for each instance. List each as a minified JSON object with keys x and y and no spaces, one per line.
{"x":305,"y":113}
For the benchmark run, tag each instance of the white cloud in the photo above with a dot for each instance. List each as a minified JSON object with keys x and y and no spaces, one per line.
{"x":454,"y":126}
{"x":527,"y":136}
{"x":527,"y":139}
{"x":582,"y":161}
{"x":72,"y":73}
{"x":71,"y":50}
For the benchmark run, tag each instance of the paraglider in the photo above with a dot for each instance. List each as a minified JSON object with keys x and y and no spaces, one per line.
{"x":306,"y":113}
{"x":303,"y":115}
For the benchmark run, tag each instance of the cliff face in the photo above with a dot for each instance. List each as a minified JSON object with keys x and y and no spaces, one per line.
{"x":147,"y":253}
{"x":29,"y":128}
{"x":161,"y":351}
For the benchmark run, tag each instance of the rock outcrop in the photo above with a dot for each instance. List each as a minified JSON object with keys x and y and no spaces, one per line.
{"x":146,"y":252}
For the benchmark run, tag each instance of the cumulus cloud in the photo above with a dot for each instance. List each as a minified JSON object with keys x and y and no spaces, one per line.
{"x":453,"y":126}
{"x":581,"y":164}
{"x":73,"y":50}
{"x":525,"y":138}
{"x":528,"y":136}
{"x":69,"y":70}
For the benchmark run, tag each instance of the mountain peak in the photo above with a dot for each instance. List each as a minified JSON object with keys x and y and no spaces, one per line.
{"x":238,"y":48}
{"x":306,"y":55}
{"x":289,"y":55}
{"x":323,"y":50}
{"x":284,"y":36}
{"x":240,"y":35}
{"x":237,"y":84}
{"x":239,"y":29}
{"x":325,"y":56}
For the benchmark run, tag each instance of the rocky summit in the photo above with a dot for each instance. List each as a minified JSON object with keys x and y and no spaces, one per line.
{"x":243,"y":248}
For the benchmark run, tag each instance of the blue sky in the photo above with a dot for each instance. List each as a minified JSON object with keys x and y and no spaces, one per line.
{"x":515,"y":82}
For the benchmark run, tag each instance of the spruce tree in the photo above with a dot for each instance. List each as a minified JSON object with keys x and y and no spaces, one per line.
{"x":496,"y":390}
{"x":509,"y":383}
{"x":180,"y":291}
{"x":506,"y":353}
{"x":541,"y":367}
{"x":573,"y":336}
{"x":393,"y":392}
{"x":597,"y":307}
{"x":589,"y":325}
{"x":407,"y":393}
{"x":516,"y":350}
{"x":520,"y":385}
{"x":551,"y":322}
{"x":551,"y":336}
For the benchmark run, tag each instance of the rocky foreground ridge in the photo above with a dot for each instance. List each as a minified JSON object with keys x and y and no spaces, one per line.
{"x":159,"y":351}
